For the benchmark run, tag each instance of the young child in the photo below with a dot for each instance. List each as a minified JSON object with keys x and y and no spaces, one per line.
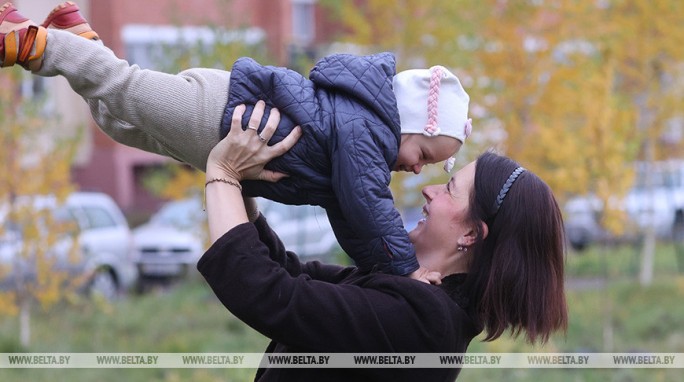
{"x":349,"y":111}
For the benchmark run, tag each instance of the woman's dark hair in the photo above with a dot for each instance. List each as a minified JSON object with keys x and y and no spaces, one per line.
{"x":516,"y":272}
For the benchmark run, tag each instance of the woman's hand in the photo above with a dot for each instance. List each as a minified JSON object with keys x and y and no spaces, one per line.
{"x":427,"y":276}
{"x":242,"y":154}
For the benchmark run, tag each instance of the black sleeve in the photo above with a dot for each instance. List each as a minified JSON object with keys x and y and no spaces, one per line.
{"x":290,"y":261}
{"x":276,"y":249}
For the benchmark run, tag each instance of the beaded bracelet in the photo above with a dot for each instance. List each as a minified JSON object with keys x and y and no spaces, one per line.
{"x":224,"y":180}
{"x":214,"y":180}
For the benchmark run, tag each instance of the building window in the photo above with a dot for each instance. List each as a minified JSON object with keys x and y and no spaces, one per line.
{"x":33,"y":87}
{"x":163,"y":47}
{"x":303,"y":22}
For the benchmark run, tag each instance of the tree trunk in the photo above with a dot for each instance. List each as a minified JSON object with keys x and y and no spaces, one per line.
{"x":608,"y":332}
{"x":678,"y":238}
{"x":606,"y":305}
{"x":25,"y":322}
{"x":648,"y":249}
{"x":647,"y":258}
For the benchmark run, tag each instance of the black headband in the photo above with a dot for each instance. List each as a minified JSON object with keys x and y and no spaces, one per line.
{"x":507,"y":186}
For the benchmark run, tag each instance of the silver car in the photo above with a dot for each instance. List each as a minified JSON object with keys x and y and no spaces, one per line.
{"x":105,"y":243}
{"x":169,"y":245}
{"x":172,"y":241}
{"x":304,"y":230}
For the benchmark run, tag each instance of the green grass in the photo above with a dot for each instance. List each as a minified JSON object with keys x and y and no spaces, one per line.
{"x":186,"y":318}
{"x":623,"y":261}
{"x":619,"y":317}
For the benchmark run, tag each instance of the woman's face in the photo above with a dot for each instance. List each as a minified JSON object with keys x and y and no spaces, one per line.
{"x":445,"y":213}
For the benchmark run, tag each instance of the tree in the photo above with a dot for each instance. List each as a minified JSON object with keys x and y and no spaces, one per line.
{"x":32,"y":162}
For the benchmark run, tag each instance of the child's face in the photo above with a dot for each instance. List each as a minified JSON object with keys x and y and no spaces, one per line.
{"x":417,"y":150}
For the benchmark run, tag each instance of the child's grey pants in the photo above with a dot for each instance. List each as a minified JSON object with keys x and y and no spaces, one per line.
{"x":173,"y":115}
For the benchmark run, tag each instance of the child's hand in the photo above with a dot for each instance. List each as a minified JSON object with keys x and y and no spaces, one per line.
{"x":427,"y":276}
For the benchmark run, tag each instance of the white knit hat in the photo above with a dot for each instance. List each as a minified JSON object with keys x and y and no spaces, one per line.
{"x":432,"y":102}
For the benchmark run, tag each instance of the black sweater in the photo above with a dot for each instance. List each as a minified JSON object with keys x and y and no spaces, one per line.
{"x":312,"y":307}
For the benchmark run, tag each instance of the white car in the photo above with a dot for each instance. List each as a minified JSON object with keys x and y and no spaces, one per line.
{"x":304,"y":230}
{"x":105,"y":242}
{"x":656,"y":201}
{"x":582,"y":222}
{"x":173,"y":240}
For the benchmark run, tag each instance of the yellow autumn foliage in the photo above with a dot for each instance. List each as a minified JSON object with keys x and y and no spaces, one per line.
{"x":581,"y":88}
{"x":183,"y":183}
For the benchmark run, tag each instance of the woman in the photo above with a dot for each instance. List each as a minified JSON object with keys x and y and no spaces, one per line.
{"x":494,"y":231}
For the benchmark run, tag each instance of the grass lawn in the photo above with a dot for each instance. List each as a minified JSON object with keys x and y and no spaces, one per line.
{"x":185,"y":318}
{"x":617,"y":316}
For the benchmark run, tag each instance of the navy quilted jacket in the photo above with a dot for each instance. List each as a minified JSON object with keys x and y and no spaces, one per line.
{"x":342,"y":162}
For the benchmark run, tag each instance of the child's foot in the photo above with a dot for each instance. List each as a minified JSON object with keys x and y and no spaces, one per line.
{"x":66,"y":16}
{"x":21,"y":40}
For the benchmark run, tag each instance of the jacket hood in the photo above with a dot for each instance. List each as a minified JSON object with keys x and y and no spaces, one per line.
{"x":362,"y":78}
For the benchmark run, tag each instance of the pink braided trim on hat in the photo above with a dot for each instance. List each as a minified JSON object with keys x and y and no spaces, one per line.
{"x":437,"y":73}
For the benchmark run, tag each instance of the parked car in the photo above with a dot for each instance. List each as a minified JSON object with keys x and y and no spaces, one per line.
{"x":103,"y":255}
{"x":656,"y":201}
{"x":169,"y":245}
{"x":172,"y":241}
{"x":304,"y":230}
{"x":582,"y":226}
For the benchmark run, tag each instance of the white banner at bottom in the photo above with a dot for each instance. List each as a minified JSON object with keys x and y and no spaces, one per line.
{"x":342,"y":360}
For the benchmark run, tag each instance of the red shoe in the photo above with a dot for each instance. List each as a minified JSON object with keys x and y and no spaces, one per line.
{"x":21,"y":40}
{"x":66,"y":16}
